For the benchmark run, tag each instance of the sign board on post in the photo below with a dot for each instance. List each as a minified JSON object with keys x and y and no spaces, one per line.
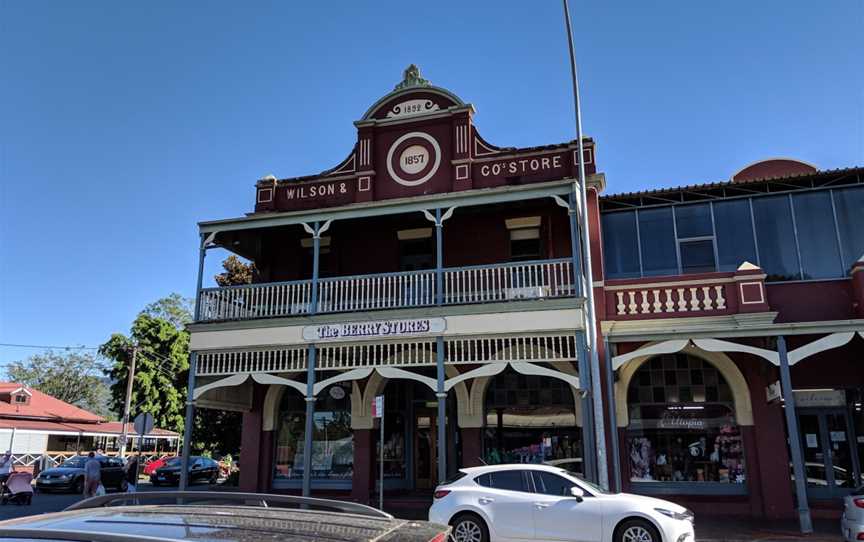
{"x":773,"y":392}
{"x":144,"y":423}
{"x":378,"y":412}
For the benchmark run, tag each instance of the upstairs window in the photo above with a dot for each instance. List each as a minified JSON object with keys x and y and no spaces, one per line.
{"x":525,"y":240}
{"x":416,"y":249}
{"x":694,"y":230}
{"x":21,"y":399}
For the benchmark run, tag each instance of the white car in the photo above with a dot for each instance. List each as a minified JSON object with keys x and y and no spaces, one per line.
{"x":852,"y":523}
{"x":539,"y":502}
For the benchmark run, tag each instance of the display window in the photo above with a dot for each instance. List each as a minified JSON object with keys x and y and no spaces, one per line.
{"x":531,"y":419}
{"x":682,"y":424}
{"x":332,"y":438}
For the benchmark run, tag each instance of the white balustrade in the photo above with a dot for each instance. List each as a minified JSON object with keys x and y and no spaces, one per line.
{"x":478,"y":284}
{"x":651,"y":301}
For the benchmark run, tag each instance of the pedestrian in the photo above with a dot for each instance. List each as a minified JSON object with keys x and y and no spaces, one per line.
{"x":132,"y":474}
{"x":92,"y":475}
{"x":6,"y":466}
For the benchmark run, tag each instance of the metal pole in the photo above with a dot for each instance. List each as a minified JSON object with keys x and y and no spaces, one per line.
{"x":381,"y":464}
{"x":804,"y":520}
{"x":130,"y":378}
{"x":202,"y":252}
{"x":442,"y":410}
{"x":439,"y":259}
{"x":603,"y":472}
{"x":589,"y":460}
{"x":190,"y":421}
{"x":310,"y":415}
{"x":316,"y":248}
{"x":613,"y":420}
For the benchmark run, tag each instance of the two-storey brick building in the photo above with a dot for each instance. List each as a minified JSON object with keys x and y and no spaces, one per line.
{"x":442,"y":272}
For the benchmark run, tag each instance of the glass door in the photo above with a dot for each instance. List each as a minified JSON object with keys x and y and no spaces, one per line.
{"x":827,"y":444}
{"x":425,"y":450}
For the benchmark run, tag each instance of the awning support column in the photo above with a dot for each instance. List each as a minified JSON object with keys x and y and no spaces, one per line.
{"x":310,"y":415}
{"x":613,"y":421}
{"x":794,"y":439}
{"x":589,"y":456}
{"x":442,"y":410}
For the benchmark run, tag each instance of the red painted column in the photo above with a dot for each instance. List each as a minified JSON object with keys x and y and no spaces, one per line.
{"x":765,"y":450}
{"x":362,"y":477}
{"x":857,"y":273}
{"x":251,"y":442}
{"x":472,"y":446}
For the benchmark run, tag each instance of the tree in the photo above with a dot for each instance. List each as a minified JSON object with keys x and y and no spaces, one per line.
{"x":236,"y":272}
{"x":175,"y":308}
{"x":162,"y":365}
{"x":73,"y":377}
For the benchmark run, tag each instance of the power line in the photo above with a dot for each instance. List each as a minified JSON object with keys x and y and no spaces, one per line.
{"x":45,"y":346}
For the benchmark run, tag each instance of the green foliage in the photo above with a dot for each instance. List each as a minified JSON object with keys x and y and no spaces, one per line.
{"x":161,"y":376}
{"x":162,"y":368}
{"x":175,"y":308}
{"x":236,"y":272}
{"x":73,"y":377}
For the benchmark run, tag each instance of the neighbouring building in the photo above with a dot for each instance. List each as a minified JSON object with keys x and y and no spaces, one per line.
{"x":431,"y":264}
{"x":34,"y":425}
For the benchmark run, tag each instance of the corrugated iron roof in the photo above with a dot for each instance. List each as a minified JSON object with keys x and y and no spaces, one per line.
{"x":722,"y":184}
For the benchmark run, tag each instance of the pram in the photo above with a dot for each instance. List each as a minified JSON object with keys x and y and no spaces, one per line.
{"x":17,"y":489}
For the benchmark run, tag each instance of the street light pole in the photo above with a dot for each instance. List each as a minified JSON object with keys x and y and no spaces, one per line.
{"x":591,"y":324}
{"x":130,"y":378}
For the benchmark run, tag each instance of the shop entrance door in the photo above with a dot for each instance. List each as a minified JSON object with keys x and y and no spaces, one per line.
{"x":829,"y":453}
{"x":425,"y":449}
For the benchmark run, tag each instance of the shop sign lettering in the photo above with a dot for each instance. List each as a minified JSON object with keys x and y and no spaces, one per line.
{"x":522,"y":166}
{"x":312,"y":191}
{"x":819,"y":398}
{"x":373,"y":330}
{"x":671,"y":420}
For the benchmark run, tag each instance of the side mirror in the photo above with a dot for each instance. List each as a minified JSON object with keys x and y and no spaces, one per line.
{"x":577,"y":493}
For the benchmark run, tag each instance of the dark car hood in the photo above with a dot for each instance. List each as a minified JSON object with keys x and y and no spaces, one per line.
{"x":62,"y":470}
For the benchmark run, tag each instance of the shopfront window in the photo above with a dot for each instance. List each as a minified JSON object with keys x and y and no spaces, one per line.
{"x":332,"y":439}
{"x":682,"y":424}
{"x":531,"y":419}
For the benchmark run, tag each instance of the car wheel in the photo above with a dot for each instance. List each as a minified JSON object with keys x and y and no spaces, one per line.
{"x":79,"y":486}
{"x":469,"y":528}
{"x":636,"y":530}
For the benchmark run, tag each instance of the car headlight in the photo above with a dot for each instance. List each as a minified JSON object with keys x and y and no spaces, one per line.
{"x":64,"y":476}
{"x":687,"y":515}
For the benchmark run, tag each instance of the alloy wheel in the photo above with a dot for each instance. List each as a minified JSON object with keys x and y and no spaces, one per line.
{"x":637,"y":533}
{"x":468,"y":531}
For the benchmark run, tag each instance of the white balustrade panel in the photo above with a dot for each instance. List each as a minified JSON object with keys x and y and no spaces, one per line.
{"x":672,"y":300}
{"x":510,"y":282}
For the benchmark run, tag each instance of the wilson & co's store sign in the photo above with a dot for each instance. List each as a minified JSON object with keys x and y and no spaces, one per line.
{"x":380,"y":329}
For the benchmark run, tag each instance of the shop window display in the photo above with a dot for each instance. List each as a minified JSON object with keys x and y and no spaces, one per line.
{"x":395,"y":452}
{"x":531,"y":419}
{"x":682,"y":424}
{"x":332,"y":439}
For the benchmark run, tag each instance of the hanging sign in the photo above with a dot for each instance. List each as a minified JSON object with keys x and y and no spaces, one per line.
{"x":819,"y":398}
{"x":380,"y":329}
{"x":773,"y":392}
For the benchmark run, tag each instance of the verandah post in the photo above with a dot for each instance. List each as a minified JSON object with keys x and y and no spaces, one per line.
{"x":804,"y":520}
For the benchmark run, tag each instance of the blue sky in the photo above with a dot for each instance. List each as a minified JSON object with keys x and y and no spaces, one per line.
{"x":123,"y":124}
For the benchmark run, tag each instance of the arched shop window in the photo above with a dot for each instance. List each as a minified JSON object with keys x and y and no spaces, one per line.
{"x":531,"y":419}
{"x":682,"y":423}
{"x":332,"y":438}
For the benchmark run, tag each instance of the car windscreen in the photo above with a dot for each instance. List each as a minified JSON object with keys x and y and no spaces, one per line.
{"x":174,"y":462}
{"x":75,"y":462}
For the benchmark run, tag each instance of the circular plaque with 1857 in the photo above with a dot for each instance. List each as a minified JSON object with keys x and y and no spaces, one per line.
{"x":413,"y":158}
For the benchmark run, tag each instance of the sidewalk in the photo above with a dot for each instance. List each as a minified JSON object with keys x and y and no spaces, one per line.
{"x":717,"y":529}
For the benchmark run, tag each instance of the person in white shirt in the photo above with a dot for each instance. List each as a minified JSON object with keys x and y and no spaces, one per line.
{"x":6,"y":466}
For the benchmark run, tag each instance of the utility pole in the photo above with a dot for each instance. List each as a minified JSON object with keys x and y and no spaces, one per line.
{"x":129,"y":380}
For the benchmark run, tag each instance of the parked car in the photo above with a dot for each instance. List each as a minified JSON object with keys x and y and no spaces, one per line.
{"x":69,"y":475}
{"x":542,"y":502}
{"x":852,"y":522}
{"x":201,"y":469}
{"x":154,"y":464}
{"x":228,"y":517}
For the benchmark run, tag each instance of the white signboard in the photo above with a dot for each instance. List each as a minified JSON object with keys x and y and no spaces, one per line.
{"x":378,"y":407}
{"x":773,"y":392}
{"x":380,"y":329}
{"x":819,"y":398}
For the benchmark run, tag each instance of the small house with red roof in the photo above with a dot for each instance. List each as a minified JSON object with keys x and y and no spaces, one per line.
{"x":33,"y":424}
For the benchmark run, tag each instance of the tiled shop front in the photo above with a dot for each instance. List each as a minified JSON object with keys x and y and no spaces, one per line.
{"x":443,"y":272}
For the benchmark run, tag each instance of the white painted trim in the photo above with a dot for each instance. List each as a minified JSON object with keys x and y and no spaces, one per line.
{"x":665,"y":347}
{"x":437,"y":162}
{"x":354,"y":374}
{"x":527,"y":368}
{"x":393,"y":372}
{"x":266,"y":378}
{"x":647,"y":285}
{"x":835,"y":340}
{"x":716,"y":345}
{"x":761,"y":286}
{"x":233,"y":380}
{"x":489,"y":369}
